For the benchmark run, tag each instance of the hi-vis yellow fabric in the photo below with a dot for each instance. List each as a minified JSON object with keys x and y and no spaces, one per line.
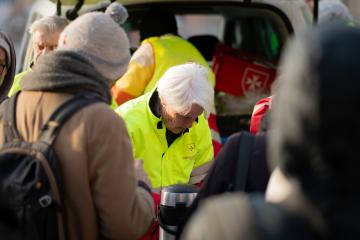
{"x":16,"y":84}
{"x":165,"y":165}
{"x":164,"y":49}
{"x":153,"y":58}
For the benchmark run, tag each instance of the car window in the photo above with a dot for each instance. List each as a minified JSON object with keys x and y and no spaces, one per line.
{"x":255,"y":33}
{"x":188,"y":25}
{"x":196,"y":24}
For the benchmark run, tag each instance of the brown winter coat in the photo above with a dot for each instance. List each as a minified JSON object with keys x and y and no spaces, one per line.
{"x":101,"y":196}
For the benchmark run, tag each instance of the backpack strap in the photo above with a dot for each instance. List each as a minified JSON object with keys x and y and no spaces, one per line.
{"x":57,"y":119}
{"x":9,"y":122}
{"x":244,"y":158}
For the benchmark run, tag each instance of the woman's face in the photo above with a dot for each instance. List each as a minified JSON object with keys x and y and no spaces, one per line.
{"x":178,"y":122}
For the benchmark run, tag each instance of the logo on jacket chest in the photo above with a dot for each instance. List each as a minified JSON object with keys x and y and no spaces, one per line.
{"x":190,"y":147}
{"x":190,"y":151}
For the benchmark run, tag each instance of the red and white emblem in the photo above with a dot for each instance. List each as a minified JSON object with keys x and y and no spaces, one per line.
{"x":254,"y":79}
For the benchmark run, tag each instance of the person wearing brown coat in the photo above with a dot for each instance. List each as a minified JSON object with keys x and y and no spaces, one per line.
{"x":105,"y":197}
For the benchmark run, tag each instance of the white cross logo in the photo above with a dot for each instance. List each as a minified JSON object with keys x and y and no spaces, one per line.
{"x":253,"y":82}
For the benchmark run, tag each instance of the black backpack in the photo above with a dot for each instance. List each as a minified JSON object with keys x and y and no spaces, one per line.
{"x":30,"y":177}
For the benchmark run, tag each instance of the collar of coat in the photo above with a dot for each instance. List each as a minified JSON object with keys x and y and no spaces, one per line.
{"x":66,"y":71}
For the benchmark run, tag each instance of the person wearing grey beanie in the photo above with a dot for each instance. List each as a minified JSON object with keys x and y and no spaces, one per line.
{"x":101,"y":41}
{"x":106,"y":194}
{"x":117,"y":12}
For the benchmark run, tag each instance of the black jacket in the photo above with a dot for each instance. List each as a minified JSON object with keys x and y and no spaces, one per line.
{"x":223,"y":175}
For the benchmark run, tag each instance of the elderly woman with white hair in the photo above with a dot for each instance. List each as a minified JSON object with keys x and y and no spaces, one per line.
{"x":168,"y":127}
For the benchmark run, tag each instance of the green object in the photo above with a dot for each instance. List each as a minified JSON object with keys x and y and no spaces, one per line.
{"x":16,"y":85}
{"x":114,"y":105}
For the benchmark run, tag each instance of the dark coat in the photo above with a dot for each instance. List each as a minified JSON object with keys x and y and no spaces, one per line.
{"x":222,"y":177}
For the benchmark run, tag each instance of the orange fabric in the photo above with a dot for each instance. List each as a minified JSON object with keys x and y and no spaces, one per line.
{"x":120,"y":96}
{"x":138,"y":74}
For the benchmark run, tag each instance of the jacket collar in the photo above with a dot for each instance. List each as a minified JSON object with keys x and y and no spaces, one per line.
{"x":151,"y":102}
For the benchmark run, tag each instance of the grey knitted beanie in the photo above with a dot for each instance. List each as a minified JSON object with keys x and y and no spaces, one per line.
{"x":100,"y":39}
{"x":118,"y":12}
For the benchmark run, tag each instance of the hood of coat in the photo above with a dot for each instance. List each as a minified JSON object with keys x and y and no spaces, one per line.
{"x":8,"y":47}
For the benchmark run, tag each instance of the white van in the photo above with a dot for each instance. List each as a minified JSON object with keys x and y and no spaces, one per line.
{"x":258,"y":27}
{"x":195,"y":17}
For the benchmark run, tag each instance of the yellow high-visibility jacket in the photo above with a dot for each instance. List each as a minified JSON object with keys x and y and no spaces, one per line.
{"x":188,"y":158}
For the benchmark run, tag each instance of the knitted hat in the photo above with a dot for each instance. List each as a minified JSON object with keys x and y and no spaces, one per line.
{"x":118,"y":12}
{"x":100,"y":39}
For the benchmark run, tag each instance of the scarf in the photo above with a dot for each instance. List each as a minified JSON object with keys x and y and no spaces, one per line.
{"x":67,"y":72}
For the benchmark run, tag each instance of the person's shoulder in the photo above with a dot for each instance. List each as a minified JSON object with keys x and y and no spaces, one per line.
{"x":201,"y":123}
{"x":23,"y":73}
{"x":134,"y":106}
{"x":217,"y":219}
{"x":149,"y":40}
{"x":100,"y":113}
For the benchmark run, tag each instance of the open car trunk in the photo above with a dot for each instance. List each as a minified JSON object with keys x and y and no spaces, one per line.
{"x":242,"y":41}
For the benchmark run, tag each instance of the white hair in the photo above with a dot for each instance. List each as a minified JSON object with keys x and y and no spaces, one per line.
{"x":184,"y":85}
{"x":49,"y":24}
{"x":334,"y":11}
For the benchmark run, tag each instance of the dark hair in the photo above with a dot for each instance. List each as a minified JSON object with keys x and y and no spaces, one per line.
{"x":316,"y":126}
{"x":157,"y":23}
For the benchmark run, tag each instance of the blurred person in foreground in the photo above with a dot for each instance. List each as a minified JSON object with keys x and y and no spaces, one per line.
{"x":330,"y":12}
{"x":44,"y":34}
{"x":105,"y":197}
{"x":7,"y":73}
{"x":7,"y":65}
{"x":314,"y":194}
